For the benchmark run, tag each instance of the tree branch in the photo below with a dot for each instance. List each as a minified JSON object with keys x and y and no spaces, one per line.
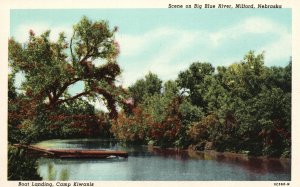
{"x":89,"y":50}
{"x":64,"y":87}
{"x":74,"y":97}
{"x":71,"y":44}
{"x":49,"y":96}
{"x":85,"y":57}
{"x":110,"y":102}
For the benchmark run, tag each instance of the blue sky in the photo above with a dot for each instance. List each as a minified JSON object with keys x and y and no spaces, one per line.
{"x":167,"y":41}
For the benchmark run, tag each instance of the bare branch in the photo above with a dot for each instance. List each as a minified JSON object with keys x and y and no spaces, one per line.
{"x":65,"y":86}
{"x":73,"y":98}
{"x":71,"y":45}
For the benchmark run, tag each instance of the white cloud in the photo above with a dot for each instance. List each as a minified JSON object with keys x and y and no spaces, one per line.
{"x":258,"y":25}
{"x":278,"y":50}
{"x":253,"y":25}
{"x":165,"y":63}
{"x":133,"y":45}
{"x":169,"y":45}
{"x":173,"y":44}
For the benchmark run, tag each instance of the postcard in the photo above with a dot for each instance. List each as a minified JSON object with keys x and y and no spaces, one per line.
{"x":137,"y":93}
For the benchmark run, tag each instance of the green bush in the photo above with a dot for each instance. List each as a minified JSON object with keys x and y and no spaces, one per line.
{"x":21,"y":167}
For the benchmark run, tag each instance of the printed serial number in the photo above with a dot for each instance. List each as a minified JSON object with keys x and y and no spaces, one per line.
{"x":281,"y":184}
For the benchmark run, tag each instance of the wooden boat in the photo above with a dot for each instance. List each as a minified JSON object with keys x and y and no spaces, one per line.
{"x":87,"y":153}
{"x":71,"y":153}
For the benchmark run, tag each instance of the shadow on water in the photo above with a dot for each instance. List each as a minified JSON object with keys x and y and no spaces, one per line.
{"x":252,"y":164}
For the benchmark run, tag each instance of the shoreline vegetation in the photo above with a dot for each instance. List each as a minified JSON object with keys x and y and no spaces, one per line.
{"x":236,"y":109}
{"x":244,"y":107}
{"x":216,"y":154}
{"x":151,"y":147}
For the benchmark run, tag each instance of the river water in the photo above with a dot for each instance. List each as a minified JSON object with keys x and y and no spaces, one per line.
{"x":153,"y":164}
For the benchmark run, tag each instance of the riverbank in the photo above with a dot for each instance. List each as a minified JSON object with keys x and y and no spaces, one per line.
{"x":93,"y":142}
{"x":215,"y":154}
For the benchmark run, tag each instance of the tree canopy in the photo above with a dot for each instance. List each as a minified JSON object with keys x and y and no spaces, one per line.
{"x":51,"y":67}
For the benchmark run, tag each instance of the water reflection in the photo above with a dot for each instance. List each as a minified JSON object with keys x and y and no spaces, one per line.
{"x":255,"y":165}
{"x":72,"y":169}
{"x":51,"y":173}
{"x":151,"y":163}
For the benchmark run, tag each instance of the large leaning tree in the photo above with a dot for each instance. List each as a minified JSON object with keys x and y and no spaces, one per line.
{"x":51,"y":68}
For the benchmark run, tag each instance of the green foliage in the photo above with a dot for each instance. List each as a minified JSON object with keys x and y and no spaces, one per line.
{"x":14,"y":135}
{"x":245,"y":107}
{"x":156,"y":117}
{"x":21,"y":167}
{"x":190,"y":113}
{"x":146,"y":87}
{"x":274,"y":109}
{"x":200,"y":131}
{"x":192,"y":81}
{"x":132,"y":128}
